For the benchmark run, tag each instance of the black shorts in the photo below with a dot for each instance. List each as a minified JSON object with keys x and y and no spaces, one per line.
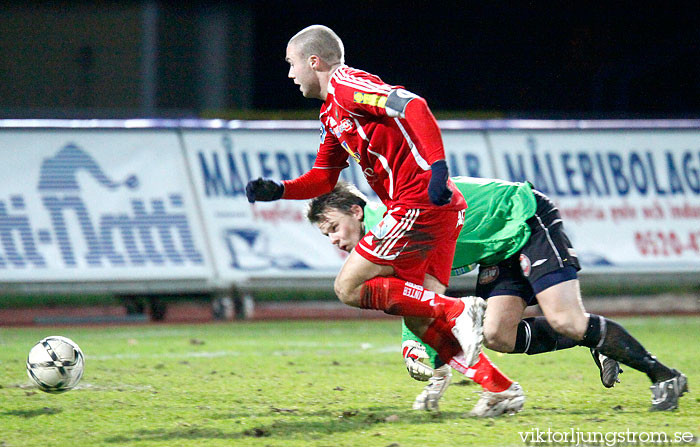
{"x":546,"y":259}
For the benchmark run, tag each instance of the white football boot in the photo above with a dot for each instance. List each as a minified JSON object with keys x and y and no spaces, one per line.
{"x":509,"y":401}
{"x":433,"y":391}
{"x":468,"y":327}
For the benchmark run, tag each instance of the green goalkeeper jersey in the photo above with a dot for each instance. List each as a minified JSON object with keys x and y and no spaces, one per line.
{"x":494,"y":221}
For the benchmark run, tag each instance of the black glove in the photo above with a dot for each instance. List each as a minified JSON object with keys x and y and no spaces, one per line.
{"x":264,"y":190}
{"x":438,"y":191}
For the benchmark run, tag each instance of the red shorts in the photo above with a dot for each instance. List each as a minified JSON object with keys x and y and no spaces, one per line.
{"x":415,"y":242}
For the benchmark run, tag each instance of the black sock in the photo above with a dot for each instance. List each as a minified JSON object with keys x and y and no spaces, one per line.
{"x":535,"y":336}
{"x":594,"y":331}
{"x":614,"y":341}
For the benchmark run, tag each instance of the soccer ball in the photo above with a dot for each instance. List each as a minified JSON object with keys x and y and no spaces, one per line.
{"x":55,"y":364}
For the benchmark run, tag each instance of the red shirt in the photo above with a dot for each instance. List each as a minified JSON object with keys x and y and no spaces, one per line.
{"x":356,"y":125}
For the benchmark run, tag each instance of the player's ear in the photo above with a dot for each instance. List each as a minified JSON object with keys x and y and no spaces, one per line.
{"x":314,"y":61}
{"x":357,"y":212}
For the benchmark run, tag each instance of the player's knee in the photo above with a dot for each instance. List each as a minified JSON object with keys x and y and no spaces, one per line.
{"x":346,"y":293}
{"x":497,"y":340}
{"x":567,"y":324}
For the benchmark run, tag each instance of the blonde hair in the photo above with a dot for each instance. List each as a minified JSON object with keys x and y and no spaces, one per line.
{"x":321,"y":41}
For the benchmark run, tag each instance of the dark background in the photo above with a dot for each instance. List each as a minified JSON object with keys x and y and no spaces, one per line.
{"x":511,"y":59}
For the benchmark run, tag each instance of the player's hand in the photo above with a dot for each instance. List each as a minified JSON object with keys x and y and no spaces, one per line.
{"x":438,"y":191}
{"x":264,"y":190}
{"x":414,"y":356}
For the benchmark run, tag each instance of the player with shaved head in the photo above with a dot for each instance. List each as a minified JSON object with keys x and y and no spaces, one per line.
{"x":402,"y":265}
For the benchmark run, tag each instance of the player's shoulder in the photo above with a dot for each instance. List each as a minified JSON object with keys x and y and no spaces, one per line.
{"x":348,"y":81}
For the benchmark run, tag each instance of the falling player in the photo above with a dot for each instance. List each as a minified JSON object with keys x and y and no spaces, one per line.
{"x":506,"y":225}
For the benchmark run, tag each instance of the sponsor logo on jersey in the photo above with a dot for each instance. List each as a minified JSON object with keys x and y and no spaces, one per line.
{"x":345,"y":125}
{"x":525,"y":265}
{"x":369,"y":99}
{"x":572,"y":252}
{"x":489,"y":274}
{"x":413,"y":291}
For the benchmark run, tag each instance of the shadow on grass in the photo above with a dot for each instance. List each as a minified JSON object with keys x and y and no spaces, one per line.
{"x":169,"y":435}
{"x":291,"y":425}
{"x":370,"y":415}
{"x":27,"y":414}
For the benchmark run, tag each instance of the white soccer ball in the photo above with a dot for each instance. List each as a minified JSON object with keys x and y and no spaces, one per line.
{"x":55,"y":364}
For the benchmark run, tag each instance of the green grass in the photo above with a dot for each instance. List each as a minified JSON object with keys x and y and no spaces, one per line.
{"x":315,"y":384}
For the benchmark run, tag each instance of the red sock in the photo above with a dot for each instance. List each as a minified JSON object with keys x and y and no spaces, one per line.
{"x":398,"y":297}
{"x":439,"y":336}
{"x":488,"y":376}
{"x":483,"y":372}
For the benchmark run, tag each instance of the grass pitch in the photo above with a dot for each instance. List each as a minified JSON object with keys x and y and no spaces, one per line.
{"x":321,"y":384}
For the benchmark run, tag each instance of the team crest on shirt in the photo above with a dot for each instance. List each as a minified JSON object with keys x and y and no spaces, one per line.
{"x":488,"y":274}
{"x":525,"y":265}
{"x":383,"y":227}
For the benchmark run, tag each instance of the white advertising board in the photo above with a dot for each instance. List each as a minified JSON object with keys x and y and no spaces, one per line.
{"x":141,"y":204}
{"x":467,"y":154}
{"x":628,"y":198}
{"x":262,"y":239}
{"x":89,"y":205}
{"x":274,"y":239}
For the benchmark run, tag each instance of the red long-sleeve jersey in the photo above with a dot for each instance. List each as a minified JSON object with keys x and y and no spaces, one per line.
{"x":394,"y":150}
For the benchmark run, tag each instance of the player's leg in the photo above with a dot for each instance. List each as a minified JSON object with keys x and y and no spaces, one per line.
{"x":352,"y":276}
{"x":500,"y":394}
{"x":429,"y":397}
{"x":549,"y":263}
{"x":362,"y":283}
{"x":503,"y":314}
{"x":406,"y":245}
{"x":508,"y":293}
{"x":437,"y":275}
{"x":505,"y":331}
{"x":612,"y":340}
{"x":564,"y":326}
{"x":562,"y":307}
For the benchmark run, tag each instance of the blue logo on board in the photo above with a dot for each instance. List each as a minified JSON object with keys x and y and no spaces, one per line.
{"x":152,"y":232}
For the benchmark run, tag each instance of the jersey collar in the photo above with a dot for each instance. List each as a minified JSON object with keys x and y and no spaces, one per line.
{"x":330,"y":87}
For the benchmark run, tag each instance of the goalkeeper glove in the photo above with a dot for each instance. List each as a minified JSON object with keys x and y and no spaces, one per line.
{"x":438,"y":191}
{"x":264,"y":190}
{"x":414,"y":356}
